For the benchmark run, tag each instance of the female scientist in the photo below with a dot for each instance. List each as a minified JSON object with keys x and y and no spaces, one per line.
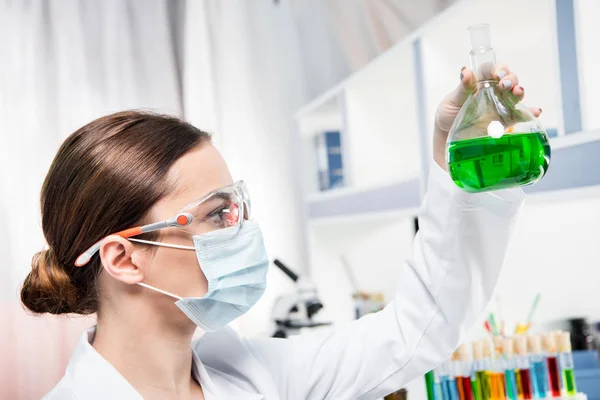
{"x":146,"y":228}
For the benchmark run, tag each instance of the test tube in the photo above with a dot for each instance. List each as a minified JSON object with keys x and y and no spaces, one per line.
{"x":465,"y":368}
{"x":452,"y":381}
{"x":482,"y":369}
{"x":459,"y":369}
{"x":566,"y":363}
{"x":490,"y":372}
{"x":523,"y":366}
{"x":508,"y":347}
{"x":498,"y":368}
{"x":429,"y":385}
{"x":557,"y":335}
{"x":445,"y":381}
{"x":552,"y":362}
{"x":539,"y":369}
{"x":477,"y":367}
{"x":474,"y":384}
{"x":437,"y":384}
{"x":491,"y":378}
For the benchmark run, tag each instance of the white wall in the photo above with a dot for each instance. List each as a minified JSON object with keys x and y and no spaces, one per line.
{"x":382,"y":139}
{"x":555,"y":251}
{"x":374,"y":250}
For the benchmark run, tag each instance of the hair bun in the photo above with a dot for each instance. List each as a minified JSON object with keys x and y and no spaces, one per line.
{"x":48,"y":288}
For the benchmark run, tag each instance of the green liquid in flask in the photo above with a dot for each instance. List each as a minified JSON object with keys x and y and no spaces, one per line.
{"x":487,"y":163}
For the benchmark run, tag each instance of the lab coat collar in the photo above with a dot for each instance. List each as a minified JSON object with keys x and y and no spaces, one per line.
{"x":95,"y":378}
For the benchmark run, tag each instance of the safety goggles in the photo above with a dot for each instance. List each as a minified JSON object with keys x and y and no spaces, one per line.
{"x":222,"y":208}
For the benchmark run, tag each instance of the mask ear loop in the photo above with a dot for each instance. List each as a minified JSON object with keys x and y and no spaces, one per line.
{"x":159,"y":290}
{"x":173,"y":246}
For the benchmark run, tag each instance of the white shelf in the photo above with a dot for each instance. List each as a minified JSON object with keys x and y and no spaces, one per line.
{"x":375,"y":111}
{"x":564,"y":195}
{"x":376,"y":108}
{"x":382,"y":132}
{"x":574,"y":139}
{"x":356,"y":221}
{"x":385,"y":114}
{"x":574,"y":164}
{"x":339,"y":193}
{"x":327,"y":116}
{"x":352,"y":202}
{"x":322,"y":102}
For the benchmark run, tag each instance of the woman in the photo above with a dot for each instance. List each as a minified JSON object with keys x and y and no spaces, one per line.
{"x":146,"y":228}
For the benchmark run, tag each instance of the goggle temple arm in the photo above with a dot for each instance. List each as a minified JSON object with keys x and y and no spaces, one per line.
{"x":181,"y":219}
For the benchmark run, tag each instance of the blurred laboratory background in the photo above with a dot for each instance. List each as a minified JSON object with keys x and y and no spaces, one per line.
{"x":326,"y":109}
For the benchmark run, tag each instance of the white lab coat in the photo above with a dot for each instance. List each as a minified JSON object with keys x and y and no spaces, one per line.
{"x":442,"y":289}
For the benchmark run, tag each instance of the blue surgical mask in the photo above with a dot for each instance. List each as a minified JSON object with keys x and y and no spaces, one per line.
{"x":235,"y":263}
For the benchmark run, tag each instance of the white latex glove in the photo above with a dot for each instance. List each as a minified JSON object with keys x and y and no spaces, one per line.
{"x":450,"y":106}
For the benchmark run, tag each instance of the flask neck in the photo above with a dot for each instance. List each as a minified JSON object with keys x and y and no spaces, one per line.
{"x":483,"y":60}
{"x":487,"y":83}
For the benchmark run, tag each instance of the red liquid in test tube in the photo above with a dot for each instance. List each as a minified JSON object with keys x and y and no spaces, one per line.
{"x":526,"y":383}
{"x":554,"y":376}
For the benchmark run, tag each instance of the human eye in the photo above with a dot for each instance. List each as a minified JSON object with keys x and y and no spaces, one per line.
{"x":220,"y":213}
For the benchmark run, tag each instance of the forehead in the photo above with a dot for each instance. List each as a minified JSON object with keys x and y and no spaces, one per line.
{"x":196,"y":173}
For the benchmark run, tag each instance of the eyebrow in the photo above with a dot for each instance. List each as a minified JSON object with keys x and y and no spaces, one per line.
{"x":222,"y":195}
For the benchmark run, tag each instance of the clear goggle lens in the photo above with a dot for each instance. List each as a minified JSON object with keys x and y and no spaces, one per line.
{"x":223,"y":208}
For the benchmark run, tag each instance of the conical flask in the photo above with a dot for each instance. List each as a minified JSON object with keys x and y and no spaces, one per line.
{"x":494,"y":143}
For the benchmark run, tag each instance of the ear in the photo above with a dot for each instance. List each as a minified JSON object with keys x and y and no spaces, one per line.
{"x":117,"y":258}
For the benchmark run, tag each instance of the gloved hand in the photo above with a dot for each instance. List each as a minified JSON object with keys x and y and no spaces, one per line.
{"x":450,"y":106}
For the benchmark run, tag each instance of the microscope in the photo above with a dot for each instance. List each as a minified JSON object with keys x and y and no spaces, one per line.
{"x":293,"y":312}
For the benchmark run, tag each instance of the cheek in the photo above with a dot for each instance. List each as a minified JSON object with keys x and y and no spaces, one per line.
{"x":176,"y":271}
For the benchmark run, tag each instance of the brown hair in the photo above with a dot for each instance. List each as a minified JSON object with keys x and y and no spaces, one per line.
{"x":105,"y":178}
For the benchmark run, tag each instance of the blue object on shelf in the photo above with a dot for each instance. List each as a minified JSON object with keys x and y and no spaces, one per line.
{"x":552,"y":132}
{"x":587,"y":373}
{"x":588,"y":382}
{"x":329,"y":160}
{"x":586,"y":359}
